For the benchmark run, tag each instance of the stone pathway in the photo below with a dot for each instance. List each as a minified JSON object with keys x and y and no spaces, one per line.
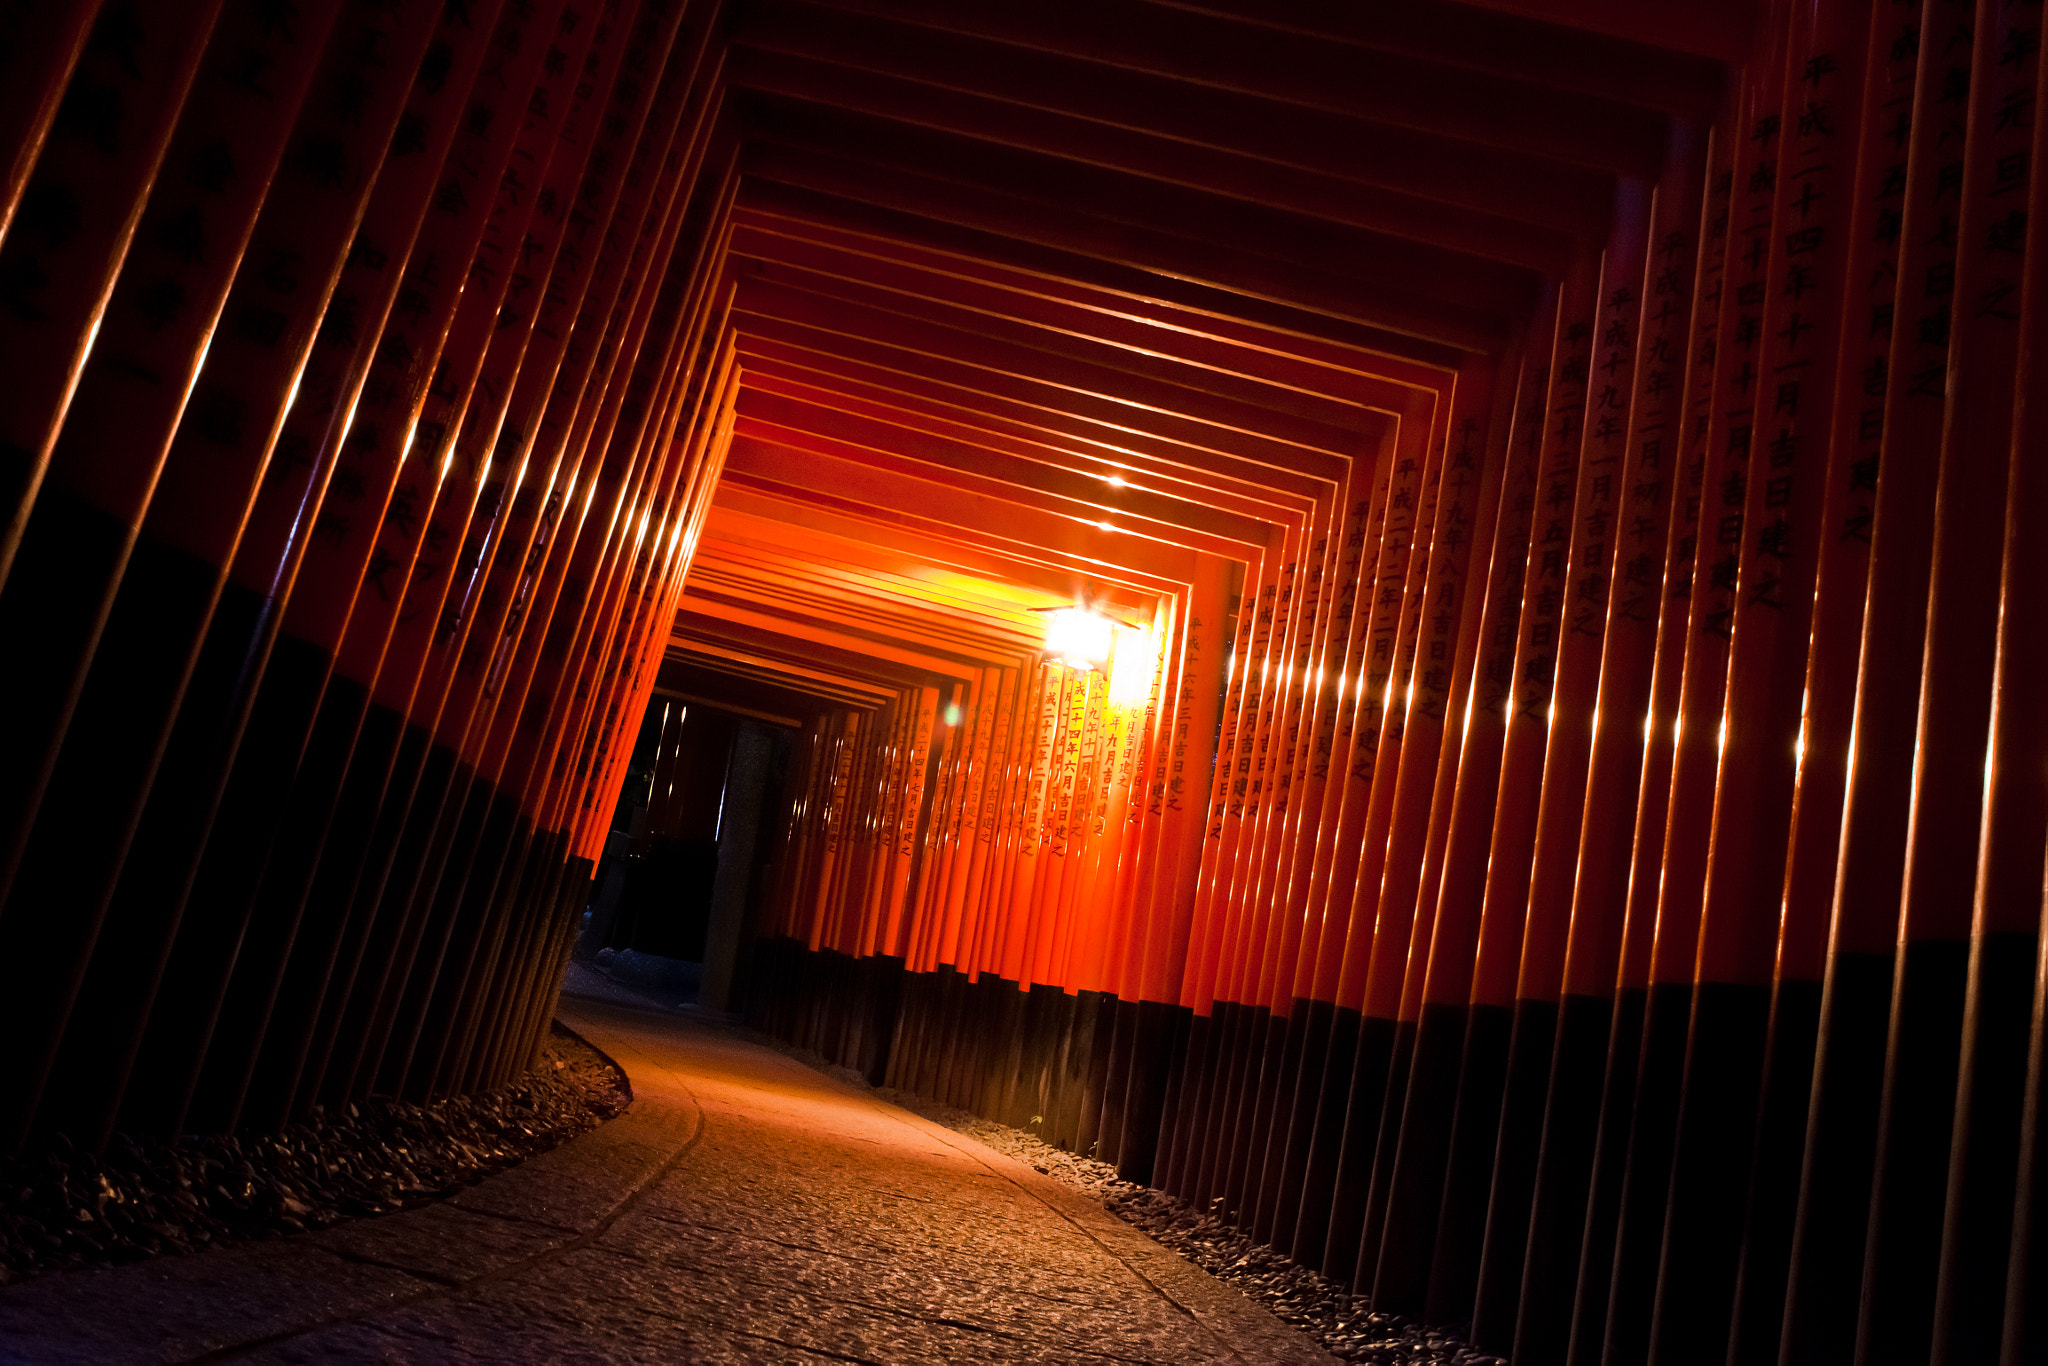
{"x":744,"y":1209}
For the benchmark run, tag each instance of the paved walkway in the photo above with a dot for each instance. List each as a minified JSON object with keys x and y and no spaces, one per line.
{"x":745,"y":1209}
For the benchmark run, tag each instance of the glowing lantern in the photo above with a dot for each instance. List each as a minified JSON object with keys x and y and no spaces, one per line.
{"x":1079,"y":639}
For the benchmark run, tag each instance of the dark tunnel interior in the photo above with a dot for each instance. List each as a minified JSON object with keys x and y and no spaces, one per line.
{"x":1418,"y":622}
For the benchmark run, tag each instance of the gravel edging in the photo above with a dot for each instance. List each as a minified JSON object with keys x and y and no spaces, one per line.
{"x":63,"y":1209}
{"x":1342,"y":1323}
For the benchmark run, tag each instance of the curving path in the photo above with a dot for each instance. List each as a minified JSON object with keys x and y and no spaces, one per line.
{"x":744,"y":1209}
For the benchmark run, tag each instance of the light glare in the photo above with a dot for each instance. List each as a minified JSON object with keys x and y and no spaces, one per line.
{"x":1079,"y":639}
{"x":1137,"y":660}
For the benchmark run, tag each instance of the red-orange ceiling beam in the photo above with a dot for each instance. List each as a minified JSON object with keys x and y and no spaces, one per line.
{"x":1513,"y":112}
{"x":1274,"y":357}
{"x":1049,"y":217}
{"x":789,"y":580}
{"x":936,"y":81}
{"x":813,"y":645}
{"x":738,"y":543}
{"x":1006,"y":407}
{"x":1225,"y":310}
{"x":712,"y":654}
{"x":957,"y":356}
{"x":1223,"y":238}
{"x":1212,"y":420}
{"x":1488,"y":235}
{"x":1009,"y":318}
{"x":853,"y":620}
{"x":1617,"y":66}
{"x":913,"y":412}
{"x":768,"y":508}
{"x":993,"y":521}
{"x":1186,"y":521}
{"x":1000,"y":501}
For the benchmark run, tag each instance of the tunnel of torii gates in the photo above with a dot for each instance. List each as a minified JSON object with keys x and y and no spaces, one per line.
{"x":1423,"y":623}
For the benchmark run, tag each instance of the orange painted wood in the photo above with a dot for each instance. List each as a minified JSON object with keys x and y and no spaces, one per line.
{"x":1712,"y":585}
{"x":1647,"y":527}
{"x":1874,"y":822}
{"x":1461,"y":896}
{"x":1604,"y":479}
{"x":1469,"y":512}
{"x":134,"y":82}
{"x":1541,"y":627}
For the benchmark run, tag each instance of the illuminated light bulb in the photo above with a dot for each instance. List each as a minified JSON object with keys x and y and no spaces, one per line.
{"x":1721,"y":742}
{"x":1115,"y":481}
{"x":1104,"y":526}
{"x":1079,"y":639}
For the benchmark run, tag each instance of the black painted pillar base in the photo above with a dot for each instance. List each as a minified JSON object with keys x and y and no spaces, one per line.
{"x":1646,"y":1186}
{"x":1557,"y":1211}
{"x":1159,"y":1028}
{"x":1826,"y":1282}
{"x":1759,"y":1312}
{"x":1300,"y":1098}
{"x":1415,"y":1193}
{"x":1532,"y":1043}
{"x":1468,"y":1172}
{"x":1330,"y":1091}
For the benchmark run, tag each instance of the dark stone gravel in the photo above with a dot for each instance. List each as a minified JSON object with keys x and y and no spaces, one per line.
{"x":62,"y":1208}
{"x":1343,"y":1323}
